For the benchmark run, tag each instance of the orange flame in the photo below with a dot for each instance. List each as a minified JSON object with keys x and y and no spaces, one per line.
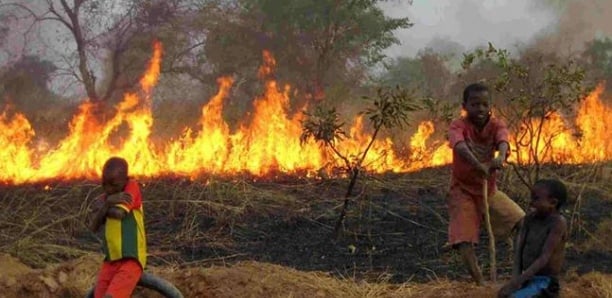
{"x":266,"y":142}
{"x":15,"y":137}
{"x":559,"y":142}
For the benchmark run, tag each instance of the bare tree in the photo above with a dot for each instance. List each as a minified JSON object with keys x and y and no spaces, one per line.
{"x":102,"y":32}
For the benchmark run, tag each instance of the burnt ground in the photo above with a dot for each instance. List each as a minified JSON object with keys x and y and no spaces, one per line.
{"x":395,"y":228}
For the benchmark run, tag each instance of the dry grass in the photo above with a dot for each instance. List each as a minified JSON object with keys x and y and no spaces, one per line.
{"x":601,"y":239}
{"x":51,"y":230}
{"x":253,"y":279}
{"x":33,"y":220}
{"x":70,"y":279}
{"x":43,"y":226}
{"x":592,"y":284}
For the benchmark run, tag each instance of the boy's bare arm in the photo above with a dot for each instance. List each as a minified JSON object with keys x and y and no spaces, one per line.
{"x":498,"y":162}
{"x":120,"y":198}
{"x":97,"y":215}
{"x":554,"y":239}
{"x":116,"y":212}
{"x":518,"y":251}
{"x":464,"y":151}
{"x":503,"y":150}
{"x":107,"y":208}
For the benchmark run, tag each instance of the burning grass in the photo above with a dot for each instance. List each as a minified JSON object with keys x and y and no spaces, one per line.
{"x":264,"y":141}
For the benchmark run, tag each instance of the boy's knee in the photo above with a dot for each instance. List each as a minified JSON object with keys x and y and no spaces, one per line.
{"x":463,"y":246}
{"x":517,"y":226}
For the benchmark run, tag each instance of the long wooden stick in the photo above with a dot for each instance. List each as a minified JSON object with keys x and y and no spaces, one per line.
{"x":493,"y":269}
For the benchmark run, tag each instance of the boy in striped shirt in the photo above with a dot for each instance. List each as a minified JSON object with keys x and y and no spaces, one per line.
{"x":120,"y":211}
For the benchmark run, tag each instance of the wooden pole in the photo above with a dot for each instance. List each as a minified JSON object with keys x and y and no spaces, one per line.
{"x":493,"y":269}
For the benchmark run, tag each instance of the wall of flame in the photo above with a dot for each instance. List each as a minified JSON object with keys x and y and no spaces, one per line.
{"x":268,"y":143}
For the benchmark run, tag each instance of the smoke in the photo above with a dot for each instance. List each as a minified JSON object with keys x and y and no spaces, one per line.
{"x":579,"y":23}
{"x":511,"y":24}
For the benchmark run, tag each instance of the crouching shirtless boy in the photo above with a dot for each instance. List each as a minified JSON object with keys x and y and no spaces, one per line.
{"x":540,"y":249}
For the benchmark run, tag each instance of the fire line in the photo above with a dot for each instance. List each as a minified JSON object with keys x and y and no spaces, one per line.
{"x":269,"y":142}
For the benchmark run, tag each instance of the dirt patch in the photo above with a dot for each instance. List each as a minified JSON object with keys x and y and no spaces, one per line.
{"x":592,"y":284}
{"x":11,"y":270}
{"x":254,"y":279}
{"x":12,"y":266}
{"x":68,"y":279}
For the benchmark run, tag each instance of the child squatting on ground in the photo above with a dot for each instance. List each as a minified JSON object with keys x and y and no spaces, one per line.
{"x":540,"y":245}
{"x":120,"y":210}
{"x":474,"y":139}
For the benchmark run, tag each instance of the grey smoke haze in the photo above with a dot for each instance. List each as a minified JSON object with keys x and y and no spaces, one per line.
{"x":448,"y":25}
{"x":580,"y":22}
{"x":445,"y":25}
{"x":561,"y":26}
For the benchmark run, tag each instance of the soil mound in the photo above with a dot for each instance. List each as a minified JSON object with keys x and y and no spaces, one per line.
{"x":254,"y":279}
{"x":68,"y":279}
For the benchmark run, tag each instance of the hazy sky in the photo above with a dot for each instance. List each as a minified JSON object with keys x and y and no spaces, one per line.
{"x":458,"y":24}
{"x":469,"y":23}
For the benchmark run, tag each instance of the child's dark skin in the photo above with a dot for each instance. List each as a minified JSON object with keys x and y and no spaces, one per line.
{"x":113,"y":182}
{"x":478,"y":111}
{"x":539,"y":252}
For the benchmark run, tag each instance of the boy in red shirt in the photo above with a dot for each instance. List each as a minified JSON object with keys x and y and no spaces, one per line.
{"x":474,"y":140}
{"x":120,"y":210}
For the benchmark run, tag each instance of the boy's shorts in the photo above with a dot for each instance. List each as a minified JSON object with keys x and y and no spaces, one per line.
{"x":118,"y":278}
{"x":538,"y":286}
{"x":466,"y":212}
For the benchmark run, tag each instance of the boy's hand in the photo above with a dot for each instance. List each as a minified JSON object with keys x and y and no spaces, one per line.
{"x":483,"y":170}
{"x":508,"y":288}
{"x":498,"y":162}
{"x":97,"y":203}
{"x":119,"y":198}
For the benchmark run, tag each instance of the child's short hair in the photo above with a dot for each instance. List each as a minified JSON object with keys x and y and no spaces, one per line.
{"x":474,"y":87}
{"x":556,"y":189}
{"x":115,"y":165}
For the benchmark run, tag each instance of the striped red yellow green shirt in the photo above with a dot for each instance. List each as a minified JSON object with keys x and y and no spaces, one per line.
{"x":125,"y":238}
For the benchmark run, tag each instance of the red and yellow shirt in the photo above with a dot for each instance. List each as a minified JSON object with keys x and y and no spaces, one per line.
{"x":125,"y":238}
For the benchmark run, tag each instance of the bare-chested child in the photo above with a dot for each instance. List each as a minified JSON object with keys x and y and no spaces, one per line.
{"x":540,"y":247}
